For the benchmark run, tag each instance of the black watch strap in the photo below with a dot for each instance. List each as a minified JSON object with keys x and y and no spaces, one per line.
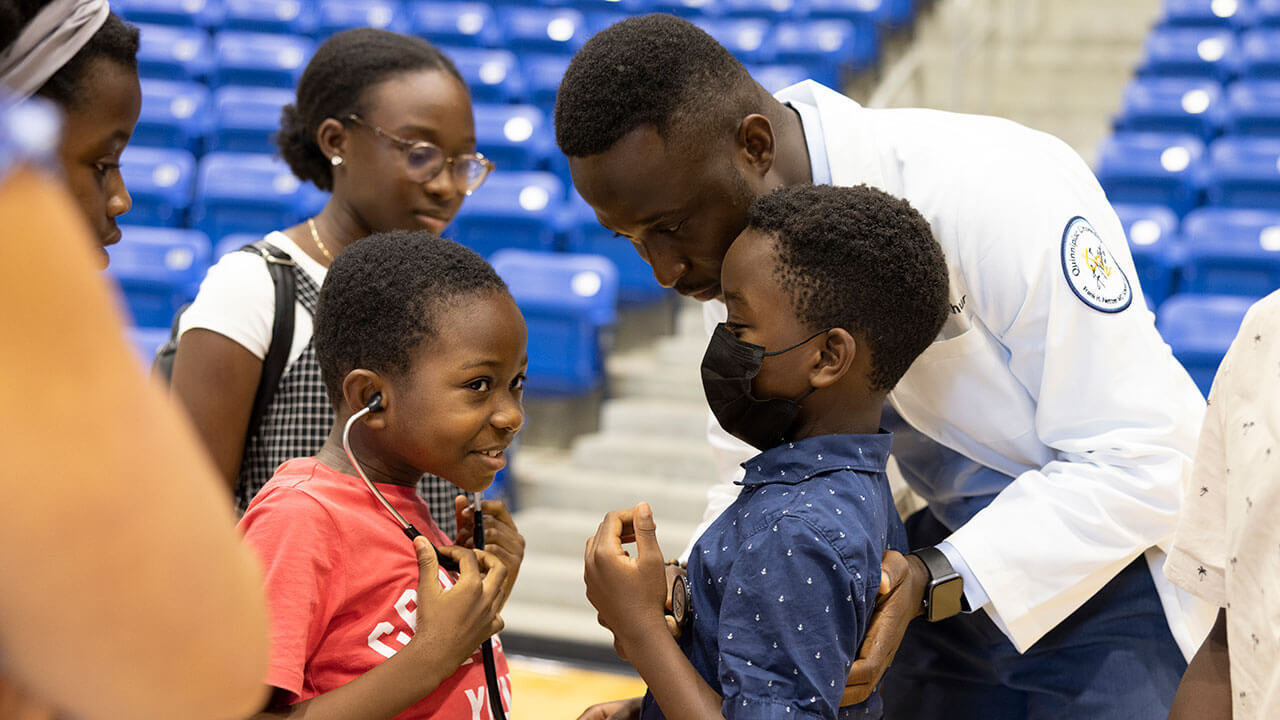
{"x":944,"y":596}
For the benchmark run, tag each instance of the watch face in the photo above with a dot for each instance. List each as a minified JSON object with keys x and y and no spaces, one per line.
{"x":680,"y":601}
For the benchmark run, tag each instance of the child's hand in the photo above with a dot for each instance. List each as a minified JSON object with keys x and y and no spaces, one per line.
{"x":628,"y":709}
{"x":629,"y":594}
{"x":453,"y":623}
{"x":500,"y":535}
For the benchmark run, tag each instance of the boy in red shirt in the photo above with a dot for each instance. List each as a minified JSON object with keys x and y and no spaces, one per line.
{"x":361,"y":627}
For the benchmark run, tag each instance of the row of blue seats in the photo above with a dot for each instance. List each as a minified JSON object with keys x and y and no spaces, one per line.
{"x":1201,"y":106}
{"x":322,"y":17}
{"x":1200,"y":328}
{"x":241,"y":193}
{"x":233,"y":57}
{"x":569,"y":301}
{"x":1235,"y":14}
{"x":1212,"y":251}
{"x":1208,"y":52}
{"x":1179,"y":172}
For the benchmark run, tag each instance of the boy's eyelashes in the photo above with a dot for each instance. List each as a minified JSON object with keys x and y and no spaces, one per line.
{"x":485,"y":384}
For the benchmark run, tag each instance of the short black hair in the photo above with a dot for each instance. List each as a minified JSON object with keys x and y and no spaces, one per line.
{"x":657,"y":70}
{"x":381,"y":298}
{"x":333,"y":85}
{"x":116,"y":41}
{"x":860,"y":259}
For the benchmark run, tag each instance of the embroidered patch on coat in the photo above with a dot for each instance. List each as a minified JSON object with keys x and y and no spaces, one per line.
{"x":1091,"y":269}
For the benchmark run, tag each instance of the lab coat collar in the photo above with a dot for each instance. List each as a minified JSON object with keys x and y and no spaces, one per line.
{"x":855,"y":144}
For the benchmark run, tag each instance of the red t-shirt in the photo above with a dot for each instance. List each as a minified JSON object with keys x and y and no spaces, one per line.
{"x":341,"y":583}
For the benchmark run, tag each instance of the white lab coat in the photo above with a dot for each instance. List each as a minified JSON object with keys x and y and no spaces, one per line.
{"x":1088,"y":411}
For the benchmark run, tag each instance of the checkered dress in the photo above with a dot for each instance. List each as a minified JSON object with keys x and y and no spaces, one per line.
{"x":299,"y":419}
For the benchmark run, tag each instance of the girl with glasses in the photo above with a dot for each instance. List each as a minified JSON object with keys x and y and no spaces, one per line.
{"x":382,"y":121}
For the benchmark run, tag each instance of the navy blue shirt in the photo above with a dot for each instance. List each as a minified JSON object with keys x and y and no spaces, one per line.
{"x":784,"y":581}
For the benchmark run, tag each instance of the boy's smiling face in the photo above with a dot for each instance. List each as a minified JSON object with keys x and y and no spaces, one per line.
{"x":761,"y":313}
{"x":461,"y":403}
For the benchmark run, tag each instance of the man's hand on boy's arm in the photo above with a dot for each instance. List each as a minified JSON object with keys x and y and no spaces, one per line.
{"x":902,"y":585}
{"x":629,"y":595}
{"x":451,"y":626}
{"x":628,"y":709}
{"x":501,"y":538}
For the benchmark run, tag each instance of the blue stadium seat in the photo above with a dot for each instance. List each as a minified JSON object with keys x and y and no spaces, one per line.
{"x":826,"y":45}
{"x":1244,"y":172}
{"x":1207,"y":13}
{"x":266,"y":59}
{"x":514,"y":137}
{"x":1173,"y":105}
{"x":1198,"y":52}
{"x":1200,"y":328}
{"x":160,"y":182}
{"x":174,"y":115}
{"x":246,"y":118}
{"x":192,"y":13}
{"x":747,"y":38}
{"x":636,"y":284}
{"x":776,"y":77}
{"x":1151,"y":169}
{"x":159,"y":270}
{"x":270,"y":16}
{"x":871,"y":12}
{"x":1232,"y":251}
{"x":566,"y":301}
{"x":691,"y":9}
{"x":174,"y":53}
{"x":249,"y":193}
{"x":464,"y":24}
{"x":491,"y":75}
{"x":1152,"y":232}
{"x":1266,"y":13}
{"x":146,"y":341}
{"x":584,"y":279}
{"x":232,"y":243}
{"x":542,"y":75}
{"x":333,"y":16}
{"x":767,"y":9}
{"x":543,"y":29}
{"x":1260,"y":54}
{"x":1253,"y":108}
{"x":511,"y":210}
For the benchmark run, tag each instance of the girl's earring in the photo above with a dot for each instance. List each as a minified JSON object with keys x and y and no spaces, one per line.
{"x":336,"y":160}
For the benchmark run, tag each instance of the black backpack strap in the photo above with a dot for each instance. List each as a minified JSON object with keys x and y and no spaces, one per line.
{"x":281,"y":267}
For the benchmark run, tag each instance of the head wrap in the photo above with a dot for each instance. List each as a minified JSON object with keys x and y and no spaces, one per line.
{"x":48,"y":42}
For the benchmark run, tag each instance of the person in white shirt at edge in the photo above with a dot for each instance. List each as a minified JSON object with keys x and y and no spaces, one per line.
{"x":1048,"y":427}
{"x":1224,"y":549}
{"x":382,"y":121}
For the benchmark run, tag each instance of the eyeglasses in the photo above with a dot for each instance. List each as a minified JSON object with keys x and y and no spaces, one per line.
{"x":423,"y":161}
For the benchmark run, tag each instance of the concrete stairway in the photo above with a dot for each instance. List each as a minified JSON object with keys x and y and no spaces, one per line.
{"x":650,"y":447}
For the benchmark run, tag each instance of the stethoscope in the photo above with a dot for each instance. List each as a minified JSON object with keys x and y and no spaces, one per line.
{"x":486,"y":648}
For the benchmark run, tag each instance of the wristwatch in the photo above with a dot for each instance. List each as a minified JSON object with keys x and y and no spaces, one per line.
{"x":944,"y":597}
{"x":681,"y":600}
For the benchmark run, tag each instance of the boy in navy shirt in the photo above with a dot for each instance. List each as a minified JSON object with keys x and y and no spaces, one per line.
{"x":824,"y":318}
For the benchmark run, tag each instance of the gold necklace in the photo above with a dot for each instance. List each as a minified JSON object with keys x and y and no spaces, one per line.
{"x":315,"y":237}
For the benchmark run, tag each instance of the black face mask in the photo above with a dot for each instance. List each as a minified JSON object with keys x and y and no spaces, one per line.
{"x":728,"y":367}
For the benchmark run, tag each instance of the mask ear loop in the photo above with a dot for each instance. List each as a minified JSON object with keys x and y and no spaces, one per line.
{"x":793,"y":347}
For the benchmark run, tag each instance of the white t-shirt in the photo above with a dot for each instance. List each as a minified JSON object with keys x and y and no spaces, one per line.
{"x":1224,"y":549}
{"x":238,"y":299}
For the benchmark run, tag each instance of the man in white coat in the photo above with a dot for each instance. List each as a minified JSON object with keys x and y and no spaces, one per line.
{"x":1048,"y":427}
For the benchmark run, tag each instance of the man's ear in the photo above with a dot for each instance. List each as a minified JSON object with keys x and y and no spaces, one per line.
{"x":757,"y":146}
{"x":358,"y":389}
{"x":835,"y":359}
{"x":332,"y":138}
